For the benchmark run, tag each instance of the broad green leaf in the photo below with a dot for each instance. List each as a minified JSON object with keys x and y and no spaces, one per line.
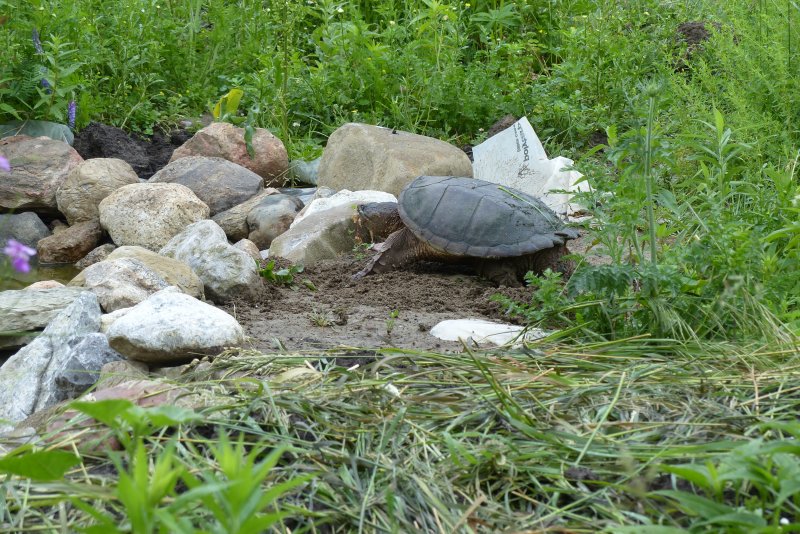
{"x":40,"y":465}
{"x":105,"y":411}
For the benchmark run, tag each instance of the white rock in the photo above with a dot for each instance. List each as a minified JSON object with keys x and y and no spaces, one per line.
{"x":122,"y":282}
{"x":323,"y":235}
{"x":171,"y":327}
{"x":225,"y":270}
{"x":343,"y":198}
{"x":481,"y":331}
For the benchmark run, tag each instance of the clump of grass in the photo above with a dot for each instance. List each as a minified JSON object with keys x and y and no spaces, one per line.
{"x":583,"y":437}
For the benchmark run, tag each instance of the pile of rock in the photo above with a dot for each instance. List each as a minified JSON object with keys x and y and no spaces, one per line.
{"x":155,"y":253}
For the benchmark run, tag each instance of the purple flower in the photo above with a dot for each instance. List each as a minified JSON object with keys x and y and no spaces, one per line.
{"x":37,"y":43}
{"x":71,"y":114}
{"x":46,"y":85}
{"x":4,"y":164}
{"x":19,"y":255}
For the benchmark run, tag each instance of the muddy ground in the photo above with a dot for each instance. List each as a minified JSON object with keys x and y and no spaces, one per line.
{"x":395,"y":309}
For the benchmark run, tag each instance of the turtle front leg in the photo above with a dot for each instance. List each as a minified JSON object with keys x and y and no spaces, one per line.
{"x":400,"y":249}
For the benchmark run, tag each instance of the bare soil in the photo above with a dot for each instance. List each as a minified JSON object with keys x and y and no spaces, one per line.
{"x":395,"y":309}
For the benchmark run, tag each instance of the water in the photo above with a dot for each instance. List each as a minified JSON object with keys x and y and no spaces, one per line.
{"x":62,"y":272}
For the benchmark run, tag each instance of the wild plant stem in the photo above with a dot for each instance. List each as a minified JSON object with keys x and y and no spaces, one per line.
{"x":648,"y":178}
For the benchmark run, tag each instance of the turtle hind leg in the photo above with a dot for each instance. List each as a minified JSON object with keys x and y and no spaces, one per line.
{"x":400,"y":248}
{"x":511,"y":271}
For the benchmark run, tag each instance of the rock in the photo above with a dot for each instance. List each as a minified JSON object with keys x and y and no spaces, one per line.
{"x":360,"y":157}
{"x":88,"y":184}
{"x":80,"y":367}
{"x":305,"y":172}
{"x":482,"y":332}
{"x":107,"y":319}
{"x":27,"y":228}
{"x":28,"y":378}
{"x":25,"y":311}
{"x":53,"y":130}
{"x":98,"y":254}
{"x":271,"y":218}
{"x":121,"y":371}
{"x":39,"y":165}
{"x":43,"y":284}
{"x":224,"y":140}
{"x":249,"y":247}
{"x":320,"y":236}
{"x":234,"y":221}
{"x":227,"y":272}
{"x":218,"y":182}
{"x":174,"y":272}
{"x":89,"y":437}
{"x":121,"y":283}
{"x":171,"y":327}
{"x":71,"y":244}
{"x":343,"y":198}
{"x":149,"y":215}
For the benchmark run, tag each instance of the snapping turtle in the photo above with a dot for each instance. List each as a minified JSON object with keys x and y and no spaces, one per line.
{"x":503,"y":232}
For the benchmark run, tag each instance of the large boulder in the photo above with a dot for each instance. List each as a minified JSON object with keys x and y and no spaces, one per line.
{"x":224,"y":140}
{"x":174,"y":272}
{"x":271,"y":217}
{"x":234,"y":220}
{"x":27,"y":228}
{"x":121,"y":283}
{"x":218,"y":182}
{"x":89,"y":183}
{"x":25,"y":312}
{"x":226,"y":271}
{"x":360,"y":156}
{"x":149,"y":215}
{"x":171,"y":327}
{"x":29,"y":380}
{"x":39,"y":165}
{"x":320,"y":236}
{"x":70,"y":244}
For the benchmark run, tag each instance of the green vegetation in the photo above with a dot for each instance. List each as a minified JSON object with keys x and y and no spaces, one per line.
{"x":665,"y":405}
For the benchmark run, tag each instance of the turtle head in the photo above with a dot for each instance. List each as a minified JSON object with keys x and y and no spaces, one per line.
{"x":376,"y":220}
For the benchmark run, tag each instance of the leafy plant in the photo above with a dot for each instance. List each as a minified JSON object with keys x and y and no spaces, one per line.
{"x":283,"y":276}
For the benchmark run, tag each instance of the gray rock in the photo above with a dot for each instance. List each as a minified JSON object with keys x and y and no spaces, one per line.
{"x":27,"y":379}
{"x":360,"y":156}
{"x":89,"y":183}
{"x":27,"y":311}
{"x":226,"y":271}
{"x":234,"y":221}
{"x":53,"y":130}
{"x":27,"y":228}
{"x":305,"y":172}
{"x":122,"y":282}
{"x":39,"y":165}
{"x":319,"y":236}
{"x":224,"y":140}
{"x":218,"y":182}
{"x":171,"y":327}
{"x":121,"y":371}
{"x":80,"y":368}
{"x":272,"y":217}
{"x":149,"y":215}
{"x":71,"y":244}
{"x":98,"y":254}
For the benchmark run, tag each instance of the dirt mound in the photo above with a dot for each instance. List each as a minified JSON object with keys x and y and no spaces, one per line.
{"x":395,"y":309}
{"x":146,"y":156}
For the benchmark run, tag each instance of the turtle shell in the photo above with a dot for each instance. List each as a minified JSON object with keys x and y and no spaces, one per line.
{"x":470,"y":217}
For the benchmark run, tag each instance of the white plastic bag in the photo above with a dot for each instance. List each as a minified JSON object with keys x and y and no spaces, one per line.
{"x":516,"y":158}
